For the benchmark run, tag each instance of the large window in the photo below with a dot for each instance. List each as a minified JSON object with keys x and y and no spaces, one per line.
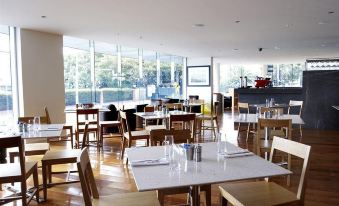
{"x":6,"y":95}
{"x":287,"y":75}
{"x":230,"y":75}
{"x":77,"y":63}
{"x":105,"y":73}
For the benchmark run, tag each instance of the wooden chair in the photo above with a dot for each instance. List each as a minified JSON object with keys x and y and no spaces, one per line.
{"x":174,"y":106}
{"x":187,"y":121}
{"x":296,"y":104}
{"x":82,"y":117}
{"x":275,"y":127}
{"x":243,"y":107}
{"x":179,"y":136}
{"x":269,"y":193}
{"x":18,"y":172}
{"x":56,"y":157}
{"x":36,"y":148}
{"x":213,"y":118}
{"x":109,"y":124}
{"x":129,"y":135}
{"x":67,"y":131}
{"x":89,"y":189}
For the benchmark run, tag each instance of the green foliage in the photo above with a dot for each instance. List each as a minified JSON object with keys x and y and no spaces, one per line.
{"x":6,"y":101}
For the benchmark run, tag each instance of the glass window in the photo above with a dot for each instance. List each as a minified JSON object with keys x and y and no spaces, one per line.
{"x":287,"y":75}
{"x":6,"y":100}
{"x":106,"y":73}
{"x":77,"y":71}
{"x":130,"y":75}
{"x":149,"y":66}
{"x":165,"y":69}
{"x":230,"y":75}
{"x":178,"y":63}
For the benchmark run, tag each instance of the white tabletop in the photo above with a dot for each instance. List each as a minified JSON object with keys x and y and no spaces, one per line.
{"x":159,"y":114}
{"x":336,"y":107}
{"x":45,"y":131}
{"x":273,"y":106}
{"x":74,"y":109}
{"x":212,"y":169}
{"x":252,"y":118}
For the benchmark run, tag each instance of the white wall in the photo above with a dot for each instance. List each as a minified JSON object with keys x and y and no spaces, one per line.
{"x":41,"y":74}
{"x":203,"y":92}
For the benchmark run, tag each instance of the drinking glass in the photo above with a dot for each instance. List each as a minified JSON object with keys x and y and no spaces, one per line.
{"x":36,"y":123}
{"x":168,"y":143}
{"x":221,"y":144}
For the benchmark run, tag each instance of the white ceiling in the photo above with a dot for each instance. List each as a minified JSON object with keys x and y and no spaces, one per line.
{"x":287,"y":30}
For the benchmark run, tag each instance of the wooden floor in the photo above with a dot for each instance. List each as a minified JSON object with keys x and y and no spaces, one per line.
{"x":113,"y":177}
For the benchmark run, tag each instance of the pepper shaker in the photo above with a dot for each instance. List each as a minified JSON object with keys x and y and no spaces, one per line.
{"x":197,"y":153}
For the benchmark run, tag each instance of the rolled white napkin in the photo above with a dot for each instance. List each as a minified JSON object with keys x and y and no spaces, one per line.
{"x":149,"y":162}
{"x":237,"y":153}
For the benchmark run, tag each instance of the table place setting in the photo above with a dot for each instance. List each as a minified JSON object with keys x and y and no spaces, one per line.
{"x":149,"y":162}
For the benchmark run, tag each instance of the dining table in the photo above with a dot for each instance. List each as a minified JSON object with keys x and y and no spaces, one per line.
{"x":43,"y":131}
{"x":159,"y":115}
{"x":336,"y":107}
{"x":74,"y":109}
{"x":253,"y":118}
{"x":212,"y":169}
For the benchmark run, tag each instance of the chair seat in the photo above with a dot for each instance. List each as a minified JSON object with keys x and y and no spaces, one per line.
{"x":257,"y":193}
{"x":13,"y":169}
{"x":138,"y":134}
{"x":206,"y":117}
{"x":155,"y":127}
{"x":62,"y":155}
{"x":129,"y":199}
{"x":109,"y":123}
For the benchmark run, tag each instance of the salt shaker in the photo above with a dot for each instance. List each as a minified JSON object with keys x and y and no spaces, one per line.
{"x":197,"y":153}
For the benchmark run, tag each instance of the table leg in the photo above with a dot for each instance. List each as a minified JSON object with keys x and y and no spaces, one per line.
{"x":195,"y":195}
{"x":3,"y":155}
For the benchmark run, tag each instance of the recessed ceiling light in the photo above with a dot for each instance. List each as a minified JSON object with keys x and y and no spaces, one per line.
{"x":237,"y":21}
{"x":161,"y":44}
{"x":43,"y":17}
{"x":277,"y":48}
{"x":235,"y":49}
{"x":323,"y":45}
{"x":331,"y":12}
{"x":198,"y":25}
{"x":140,"y":37}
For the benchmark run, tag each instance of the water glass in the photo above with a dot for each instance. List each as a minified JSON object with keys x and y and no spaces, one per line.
{"x":36,"y":123}
{"x":168,"y":143}
{"x":221,"y":144}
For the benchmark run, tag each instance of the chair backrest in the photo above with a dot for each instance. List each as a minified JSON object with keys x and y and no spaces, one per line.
{"x":85,"y":137}
{"x":149,"y":108}
{"x":173,"y":106}
{"x":243,"y":106}
{"x":124,"y":123}
{"x":85,"y":113}
{"x":188,"y":120}
{"x":17,"y":142}
{"x":179,"y":136}
{"x":48,"y":119}
{"x":297,"y":149}
{"x":274,"y":124}
{"x":86,"y":177}
{"x":294,"y":103}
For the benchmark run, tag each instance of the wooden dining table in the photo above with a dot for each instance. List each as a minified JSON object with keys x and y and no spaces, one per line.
{"x":212,"y":169}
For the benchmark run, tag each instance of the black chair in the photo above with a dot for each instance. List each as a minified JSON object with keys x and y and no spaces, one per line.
{"x":112,"y":115}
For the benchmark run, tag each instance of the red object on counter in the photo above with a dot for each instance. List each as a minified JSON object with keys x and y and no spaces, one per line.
{"x":261,"y":83}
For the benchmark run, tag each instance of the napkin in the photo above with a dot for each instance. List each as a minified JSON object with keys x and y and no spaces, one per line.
{"x":237,"y":153}
{"x":149,"y":162}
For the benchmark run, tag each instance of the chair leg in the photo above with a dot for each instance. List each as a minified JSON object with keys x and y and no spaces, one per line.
{"x":44,"y":179}
{"x":223,"y":201}
{"x":123,"y":145}
{"x":161,"y":197}
{"x":248,"y":131}
{"x":23,"y":192}
{"x":36,"y":183}
{"x":71,"y":134}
